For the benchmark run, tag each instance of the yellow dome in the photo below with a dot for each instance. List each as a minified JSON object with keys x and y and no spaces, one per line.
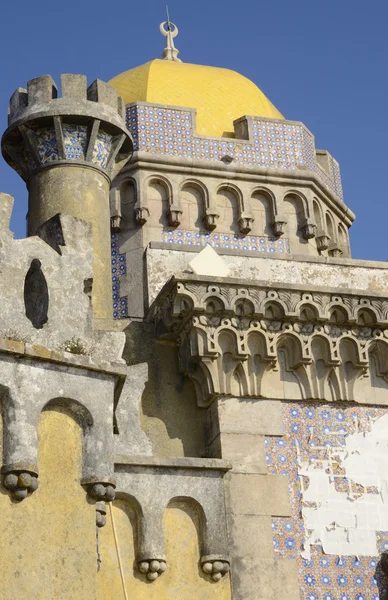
{"x":219,"y":95}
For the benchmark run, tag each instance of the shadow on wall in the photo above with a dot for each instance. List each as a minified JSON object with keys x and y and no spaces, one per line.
{"x":381,"y":576}
{"x":169,"y":413}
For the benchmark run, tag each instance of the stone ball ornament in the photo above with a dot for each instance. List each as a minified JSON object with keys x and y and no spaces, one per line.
{"x":102,"y":492}
{"x":214,"y":566}
{"x":21,"y":483}
{"x":152,"y":568}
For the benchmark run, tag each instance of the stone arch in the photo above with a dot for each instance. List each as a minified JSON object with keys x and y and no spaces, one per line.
{"x":75,"y":408}
{"x":194,"y":199}
{"x":128,"y":199}
{"x":317,"y":210}
{"x":263,"y":212}
{"x":258,"y":363}
{"x":159,"y":195}
{"x":228,"y":206}
{"x":338,"y":315}
{"x":308,"y":312}
{"x":330,"y":228}
{"x":295,"y":212}
{"x":194,"y":505}
{"x":378,"y":362}
{"x":343,"y":239}
{"x":274,"y":309}
{"x":366,"y":316}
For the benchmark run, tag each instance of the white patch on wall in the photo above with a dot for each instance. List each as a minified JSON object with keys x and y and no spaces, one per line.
{"x":346,"y":523}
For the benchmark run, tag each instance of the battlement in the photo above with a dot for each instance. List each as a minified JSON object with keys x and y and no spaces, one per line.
{"x":84,"y":124}
{"x":41,"y":99}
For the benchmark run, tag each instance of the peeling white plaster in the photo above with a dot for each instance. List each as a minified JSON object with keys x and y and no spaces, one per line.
{"x":346,"y":524}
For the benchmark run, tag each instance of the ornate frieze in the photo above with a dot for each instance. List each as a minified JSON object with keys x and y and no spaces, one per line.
{"x":254,"y":340}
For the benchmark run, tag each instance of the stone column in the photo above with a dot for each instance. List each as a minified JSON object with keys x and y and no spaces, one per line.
{"x":236,"y":430}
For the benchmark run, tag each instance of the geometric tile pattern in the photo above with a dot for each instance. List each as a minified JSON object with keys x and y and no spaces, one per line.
{"x":226,"y":240}
{"x":75,"y":138}
{"x":119,"y":269}
{"x":272,"y":143}
{"x":309,"y":428}
{"x":102,"y":148}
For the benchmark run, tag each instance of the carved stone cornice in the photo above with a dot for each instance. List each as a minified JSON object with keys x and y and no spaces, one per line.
{"x":232,"y":338}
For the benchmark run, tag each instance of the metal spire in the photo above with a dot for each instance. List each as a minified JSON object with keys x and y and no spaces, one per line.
{"x":170,"y":31}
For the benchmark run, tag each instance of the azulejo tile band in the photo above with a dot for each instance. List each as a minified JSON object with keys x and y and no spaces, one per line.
{"x":312,"y":432}
{"x":119,"y":269}
{"x":75,"y":138}
{"x":272,"y":143}
{"x":226,"y":240}
{"x":102,"y":148}
{"x":46,"y":144}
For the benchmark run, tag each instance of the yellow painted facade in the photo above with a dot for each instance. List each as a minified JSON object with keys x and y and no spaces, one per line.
{"x":48,"y":541}
{"x":219,"y":95}
{"x":183,"y":579}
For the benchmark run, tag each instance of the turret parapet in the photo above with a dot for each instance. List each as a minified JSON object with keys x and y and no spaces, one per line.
{"x":85,"y":124}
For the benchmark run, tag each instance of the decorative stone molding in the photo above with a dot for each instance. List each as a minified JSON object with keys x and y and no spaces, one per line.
{"x":174,"y":216}
{"x":215,"y":566}
{"x":151,"y":483}
{"x":152,"y":568}
{"x":211,"y":217}
{"x":245,"y":223}
{"x":142,"y":214}
{"x":20,"y":482}
{"x":323,"y":242}
{"x":241,"y":341}
{"x":21,"y":366}
{"x":309,"y":229}
{"x":279,"y":226}
{"x":100,"y":514}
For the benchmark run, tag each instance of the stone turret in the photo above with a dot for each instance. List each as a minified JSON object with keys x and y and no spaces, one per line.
{"x":67,"y":150}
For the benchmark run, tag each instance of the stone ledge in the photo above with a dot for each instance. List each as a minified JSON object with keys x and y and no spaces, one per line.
{"x":41,"y":353}
{"x":323,"y":260}
{"x":215,"y":464}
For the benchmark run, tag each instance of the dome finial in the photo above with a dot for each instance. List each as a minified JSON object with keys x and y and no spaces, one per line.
{"x":169,"y":30}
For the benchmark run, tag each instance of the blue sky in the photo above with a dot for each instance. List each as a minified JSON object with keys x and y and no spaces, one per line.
{"x":321,"y":63}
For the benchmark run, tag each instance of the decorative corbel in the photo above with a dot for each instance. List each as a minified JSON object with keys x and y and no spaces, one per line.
{"x":210,"y":219}
{"x":309,"y":229}
{"x":334,"y":250}
{"x":245,"y":223}
{"x":142,"y":214}
{"x":322,"y":241}
{"x":175,"y":215}
{"x":279,"y":225}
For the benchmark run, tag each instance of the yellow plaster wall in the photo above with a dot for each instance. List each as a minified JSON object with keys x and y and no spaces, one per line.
{"x":47,"y":541}
{"x":182,"y":580}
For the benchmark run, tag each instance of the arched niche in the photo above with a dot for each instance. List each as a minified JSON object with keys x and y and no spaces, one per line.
{"x":262,"y":214}
{"x":192,"y":197}
{"x":53,"y":531}
{"x":158,"y":195}
{"x":318,"y":216}
{"x":182,"y":528}
{"x":127,"y":202}
{"x":343,"y":239}
{"x":227,"y":206}
{"x":330,"y":228}
{"x":295,"y":215}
